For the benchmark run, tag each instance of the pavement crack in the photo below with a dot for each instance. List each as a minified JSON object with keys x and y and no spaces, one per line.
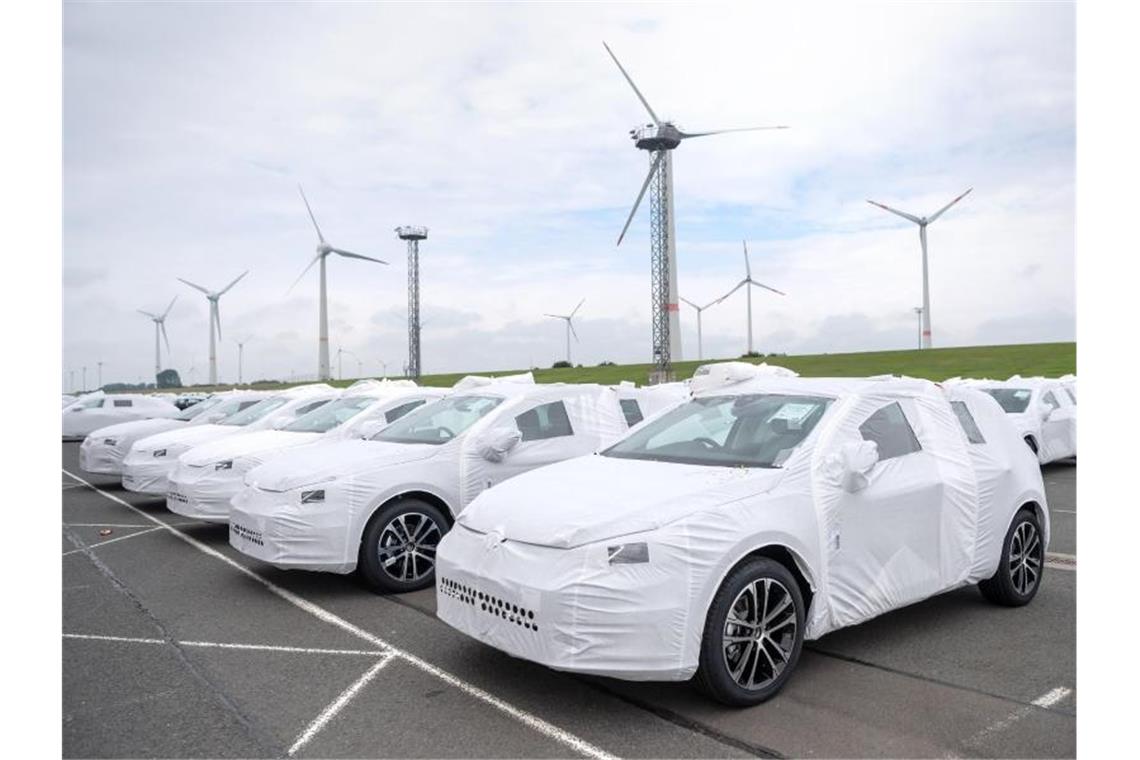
{"x":271,"y":747}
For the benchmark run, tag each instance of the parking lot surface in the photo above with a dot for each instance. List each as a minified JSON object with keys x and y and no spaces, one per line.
{"x":177,"y":646}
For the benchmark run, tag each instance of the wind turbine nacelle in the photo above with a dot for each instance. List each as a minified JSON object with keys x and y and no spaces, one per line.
{"x":324,"y":249}
{"x":656,"y":137}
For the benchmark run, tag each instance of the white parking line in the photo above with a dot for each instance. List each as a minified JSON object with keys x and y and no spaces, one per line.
{"x":111,"y":541}
{"x":1052,"y":697}
{"x":224,"y":645}
{"x":106,"y":525}
{"x":1045,"y":701}
{"x":337,"y":704}
{"x":549,"y":730}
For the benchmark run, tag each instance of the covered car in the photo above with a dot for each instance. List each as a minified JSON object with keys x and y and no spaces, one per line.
{"x":208,"y":476}
{"x":381,"y":505}
{"x":102,"y":409}
{"x":1044,"y":411}
{"x":640,"y":403}
{"x":150,"y":460}
{"x":68,"y":400}
{"x":103,"y":450}
{"x":714,"y":539}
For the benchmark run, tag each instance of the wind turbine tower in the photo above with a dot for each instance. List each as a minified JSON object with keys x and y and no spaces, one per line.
{"x":922,"y":222}
{"x":215,"y":320}
{"x":323,"y":251}
{"x":413,"y":235}
{"x":700,"y":310}
{"x":748,"y":281}
{"x":241,"y":352}
{"x":660,"y":138}
{"x":159,"y":327}
{"x":569,"y":327}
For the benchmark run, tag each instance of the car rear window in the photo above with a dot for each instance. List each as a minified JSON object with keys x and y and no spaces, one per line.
{"x":966,"y":420}
{"x":889,"y":430}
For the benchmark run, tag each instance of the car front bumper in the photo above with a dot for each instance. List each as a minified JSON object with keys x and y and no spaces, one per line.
{"x":202,"y":493}
{"x":149,"y":477}
{"x":100,"y":458}
{"x":273,"y":527}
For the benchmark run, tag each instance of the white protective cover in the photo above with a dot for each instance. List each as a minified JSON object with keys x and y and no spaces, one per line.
{"x":100,"y":409}
{"x":68,"y":400}
{"x":650,"y":400}
{"x":268,"y":520}
{"x":527,"y":567}
{"x":150,"y":460}
{"x":209,"y":475}
{"x":1052,"y":430}
{"x":103,"y":450}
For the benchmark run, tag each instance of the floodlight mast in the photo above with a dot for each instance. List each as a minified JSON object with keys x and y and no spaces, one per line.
{"x":922,"y":222}
{"x":413,"y":235}
{"x":660,"y":138}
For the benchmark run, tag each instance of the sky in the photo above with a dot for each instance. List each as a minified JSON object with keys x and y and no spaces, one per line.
{"x":504,"y":129}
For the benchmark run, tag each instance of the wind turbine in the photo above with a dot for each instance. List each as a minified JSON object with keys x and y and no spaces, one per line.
{"x":215,"y":320}
{"x":700,"y":309}
{"x":569,"y":327}
{"x":159,"y":327}
{"x":660,"y":138}
{"x":748,"y":281}
{"x":922,"y":222}
{"x":918,"y":312}
{"x":323,"y":250}
{"x":241,"y":351}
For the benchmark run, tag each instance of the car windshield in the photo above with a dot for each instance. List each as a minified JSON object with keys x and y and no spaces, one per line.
{"x":756,"y":430}
{"x":255,"y":412}
{"x":439,"y":422}
{"x":191,"y":412}
{"x":331,"y":415}
{"x":88,"y":403}
{"x":1012,"y":400}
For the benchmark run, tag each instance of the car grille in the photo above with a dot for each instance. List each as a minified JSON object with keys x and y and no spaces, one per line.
{"x":489,"y":603}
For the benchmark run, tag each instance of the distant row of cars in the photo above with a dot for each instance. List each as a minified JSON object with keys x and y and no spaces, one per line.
{"x":701,"y":529}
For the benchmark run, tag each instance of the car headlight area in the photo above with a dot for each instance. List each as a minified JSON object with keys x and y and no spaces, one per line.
{"x":584,"y":613}
{"x":203,"y":492}
{"x":293,"y":530}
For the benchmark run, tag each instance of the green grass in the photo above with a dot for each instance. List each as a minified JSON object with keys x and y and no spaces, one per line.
{"x":1049,"y":359}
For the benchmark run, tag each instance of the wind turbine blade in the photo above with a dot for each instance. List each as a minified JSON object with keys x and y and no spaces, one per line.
{"x":687,"y":135}
{"x":762,"y":285}
{"x":310,"y":210}
{"x":166,"y":340}
{"x":303,"y":273}
{"x":573,"y":331}
{"x":644,"y":187}
{"x":636,"y":91}
{"x":686,"y":300}
{"x":942,"y":210}
{"x":903,"y":214}
{"x":352,"y":255}
{"x":579,"y":306}
{"x":556,"y":316}
{"x":196,"y":287}
{"x":747,"y":265}
{"x":152,"y":316}
{"x":235,"y":282}
{"x":168,"y":308}
{"x":739,"y":285}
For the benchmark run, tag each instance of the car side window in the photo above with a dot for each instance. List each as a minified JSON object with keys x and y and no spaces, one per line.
{"x":1050,"y":401}
{"x":397,"y":412}
{"x":889,"y":429}
{"x":124,"y":402}
{"x":1072,"y":396}
{"x":966,"y":420}
{"x":632,"y":411}
{"x":309,"y":407}
{"x":546,"y":421}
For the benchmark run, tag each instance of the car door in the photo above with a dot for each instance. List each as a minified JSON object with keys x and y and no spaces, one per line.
{"x":1058,"y":430}
{"x":887,"y":548}
{"x":547,"y":436}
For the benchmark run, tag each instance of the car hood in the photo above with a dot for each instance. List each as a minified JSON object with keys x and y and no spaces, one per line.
{"x":333,"y":459}
{"x":138,"y":428}
{"x":256,"y":442}
{"x":593,"y":498}
{"x":187,"y":436}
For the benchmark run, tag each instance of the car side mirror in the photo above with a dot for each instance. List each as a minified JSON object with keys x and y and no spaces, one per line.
{"x":369,"y":429}
{"x":280,"y":421}
{"x":495,"y":444}
{"x":851,"y":465}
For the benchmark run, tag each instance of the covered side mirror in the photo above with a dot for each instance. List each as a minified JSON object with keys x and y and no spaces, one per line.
{"x":495,"y":444}
{"x":851,"y":464}
{"x":280,"y":421}
{"x":370,"y":428}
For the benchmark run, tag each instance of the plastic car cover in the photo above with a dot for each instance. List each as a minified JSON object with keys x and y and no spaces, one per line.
{"x":608,"y":566}
{"x":355,"y":477}
{"x":1054,"y":432}
{"x":79,"y":421}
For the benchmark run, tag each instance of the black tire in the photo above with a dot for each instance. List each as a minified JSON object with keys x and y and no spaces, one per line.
{"x":1019,"y":573}
{"x":407,"y":532}
{"x":715,"y":674}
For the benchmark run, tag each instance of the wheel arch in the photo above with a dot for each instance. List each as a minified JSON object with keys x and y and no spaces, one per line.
{"x":780,"y":551}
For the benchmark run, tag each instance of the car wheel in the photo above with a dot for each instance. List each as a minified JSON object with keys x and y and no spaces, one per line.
{"x":753,"y":634}
{"x":1022,"y":558}
{"x":397,"y":551}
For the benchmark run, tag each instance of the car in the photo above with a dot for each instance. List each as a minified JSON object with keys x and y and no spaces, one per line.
{"x":208,"y":476}
{"x":380,"y":506}
{"x":150,"y":460}
{"x":1044,"y":411}
{"x":187,"y":400}
{"x":648,"y":401}
{"x":99,"y":410}
{"x":713,"y":540}
{"x":68,"y":400}
{"x":103,"y":450}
